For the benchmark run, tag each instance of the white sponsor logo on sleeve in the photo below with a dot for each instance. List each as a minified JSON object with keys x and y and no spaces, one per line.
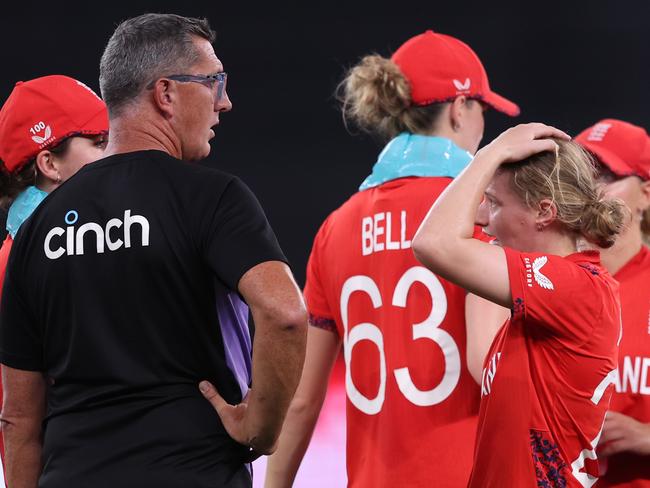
{"x":540,"y":278}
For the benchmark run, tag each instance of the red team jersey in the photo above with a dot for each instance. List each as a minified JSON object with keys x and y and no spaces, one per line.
{"x":548,"y":375}
{"x":632,"y":395}
{"x":411,"y":402}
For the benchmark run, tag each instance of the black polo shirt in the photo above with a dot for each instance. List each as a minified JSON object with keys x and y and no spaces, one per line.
{"x":121,"y":289}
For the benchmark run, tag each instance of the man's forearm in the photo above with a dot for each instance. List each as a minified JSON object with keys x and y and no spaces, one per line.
{"x":278,"y":357}
{"x":23,"y":410}
{"x":22,"y":458}
{"x":323,"y":347}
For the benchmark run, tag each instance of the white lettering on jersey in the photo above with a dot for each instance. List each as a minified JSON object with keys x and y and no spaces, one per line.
{"x":488,"y":374}
{"x":529,"y":272}
{"x":428,"y":329}
{"x":602,"y":386}
{"x":74,"y":238}
{"x":634,"y":378}
{"x":585,"y":479}
{"x":378,"y":233}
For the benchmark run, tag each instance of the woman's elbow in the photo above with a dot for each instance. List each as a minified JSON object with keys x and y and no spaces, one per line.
{"x":425,"y":250}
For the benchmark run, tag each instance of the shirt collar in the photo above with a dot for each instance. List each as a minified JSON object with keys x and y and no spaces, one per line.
{"x":417,"y":155}
{"x":22,"y":207}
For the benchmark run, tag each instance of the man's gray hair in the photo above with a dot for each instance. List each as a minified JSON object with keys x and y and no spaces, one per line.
{"x":145,"y":48}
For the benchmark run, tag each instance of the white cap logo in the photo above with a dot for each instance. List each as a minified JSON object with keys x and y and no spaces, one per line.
{"x":598,"y":132}
{"x":36,"y":132}
{"x":461,"y":87}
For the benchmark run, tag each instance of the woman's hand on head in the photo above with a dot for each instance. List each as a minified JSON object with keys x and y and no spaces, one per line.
{"x":523,"y":141}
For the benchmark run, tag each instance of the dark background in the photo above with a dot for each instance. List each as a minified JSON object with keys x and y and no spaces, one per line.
{"x":568,"y":64}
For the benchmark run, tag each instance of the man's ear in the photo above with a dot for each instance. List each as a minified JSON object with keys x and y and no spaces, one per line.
{"x":165,"y":95}
{"x":546,"y":213}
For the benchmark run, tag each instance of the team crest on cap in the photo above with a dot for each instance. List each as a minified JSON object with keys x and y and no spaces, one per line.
{"x":462,"y":87}
{"x":598,"y":132}
{"x":540,"y":278}
{"x":36,"y":133}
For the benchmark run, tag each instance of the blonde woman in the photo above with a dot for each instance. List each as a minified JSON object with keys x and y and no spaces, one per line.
{"x":623,"y":153}
{"x":547,"y":378}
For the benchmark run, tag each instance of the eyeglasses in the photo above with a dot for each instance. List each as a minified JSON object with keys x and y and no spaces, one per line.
{"x":210,"y":81}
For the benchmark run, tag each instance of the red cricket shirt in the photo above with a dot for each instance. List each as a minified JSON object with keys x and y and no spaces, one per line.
{"x":545,"y":386}
{"x":411,"y":402}
{"x":632,"y":395}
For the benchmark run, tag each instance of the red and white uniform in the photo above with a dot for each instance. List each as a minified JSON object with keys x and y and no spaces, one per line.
{"x":411,"y":403}
{"x":632,"y":395}
{"x":549,"y":375}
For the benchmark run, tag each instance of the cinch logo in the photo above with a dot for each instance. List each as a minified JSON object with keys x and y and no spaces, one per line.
{"x":74,"y":238}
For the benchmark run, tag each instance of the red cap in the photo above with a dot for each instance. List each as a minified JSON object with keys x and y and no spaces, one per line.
{"x":623,"y":147}
{"x":41,"y":113}
{"x":440,"y":68}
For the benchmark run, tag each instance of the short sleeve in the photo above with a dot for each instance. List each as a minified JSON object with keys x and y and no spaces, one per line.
{"x":482,"y":236}
{"x":237,"y":236}
{"x":554,"y":293}
{"x":314,"y":287}
{"x":21,"y":343}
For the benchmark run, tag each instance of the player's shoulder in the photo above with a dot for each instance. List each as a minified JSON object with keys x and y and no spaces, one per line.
{"x":413,"y":187}
{"x":401,"y":193}
{"x":198,"y":172}
{"x":412,"y":194}
{"x":155,"y":162}
{"x":576,"y":273}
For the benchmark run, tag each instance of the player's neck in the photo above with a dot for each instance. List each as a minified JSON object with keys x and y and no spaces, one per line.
{"x":558,"y":243}
{"x":448,"y":133}
{"x":626,"y":247}
{"x":553,"y":240}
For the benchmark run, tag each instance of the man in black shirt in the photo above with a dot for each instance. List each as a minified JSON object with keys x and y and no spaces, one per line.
{"x":131,"y":283}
